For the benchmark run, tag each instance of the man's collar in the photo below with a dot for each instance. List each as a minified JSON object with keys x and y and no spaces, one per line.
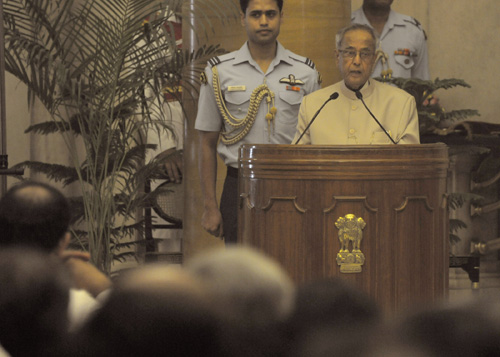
{"x":244,"y":55}
{"x":394,"y":19}
{"x":282,"y":54}
{"x":366,"y":90}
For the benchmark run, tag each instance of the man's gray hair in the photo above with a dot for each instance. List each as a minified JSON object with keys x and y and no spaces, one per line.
{"x":339,"y":37}
{"x":249,"y":285}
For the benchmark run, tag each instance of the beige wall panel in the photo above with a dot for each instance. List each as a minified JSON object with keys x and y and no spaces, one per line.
{"x":309,"y":29}
{"x":464,"y":42}
{"x":18,"y":120}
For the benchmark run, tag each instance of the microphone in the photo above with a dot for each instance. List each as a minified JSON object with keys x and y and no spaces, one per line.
{"x":332,"y":97}
{"x":360,"y":97}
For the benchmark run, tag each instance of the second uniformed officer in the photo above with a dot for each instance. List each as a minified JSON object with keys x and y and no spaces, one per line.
{"x":403,"y":50}
{"x":248,"y":96}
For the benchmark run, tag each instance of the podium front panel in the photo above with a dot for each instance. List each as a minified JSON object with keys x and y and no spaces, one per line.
{"x":373,"y":215}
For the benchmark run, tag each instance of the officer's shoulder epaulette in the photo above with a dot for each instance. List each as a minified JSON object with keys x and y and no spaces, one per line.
{"x":302,"y":59}
{"x":416,"y":23}
{"x":413,"y":21}
{"x":214,"y":61}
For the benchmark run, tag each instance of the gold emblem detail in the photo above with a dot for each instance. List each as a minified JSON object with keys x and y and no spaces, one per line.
{"x":350,"y":230}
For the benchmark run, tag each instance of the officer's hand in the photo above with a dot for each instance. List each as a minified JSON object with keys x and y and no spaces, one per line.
{"x":211,"y":221}
{"x":173,"y":164}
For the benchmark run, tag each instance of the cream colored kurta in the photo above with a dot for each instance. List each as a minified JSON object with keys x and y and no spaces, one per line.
{"x":345,"y":121}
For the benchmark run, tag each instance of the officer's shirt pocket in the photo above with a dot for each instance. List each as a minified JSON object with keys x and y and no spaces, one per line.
{"x":237,"y":103}
{"x":292,"y":100}
{"x":406,"y":62}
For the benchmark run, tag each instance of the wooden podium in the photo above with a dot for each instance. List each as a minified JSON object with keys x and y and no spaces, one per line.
{"x":386,"y":203}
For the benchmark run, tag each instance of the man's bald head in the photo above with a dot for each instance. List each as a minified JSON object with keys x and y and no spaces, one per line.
{"x":33,"y":214}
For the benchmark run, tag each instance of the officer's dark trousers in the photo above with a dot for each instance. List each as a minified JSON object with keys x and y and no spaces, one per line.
{"x":229,"y":206}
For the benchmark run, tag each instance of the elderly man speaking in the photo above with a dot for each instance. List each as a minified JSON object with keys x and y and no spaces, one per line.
{"x":357,"y":110}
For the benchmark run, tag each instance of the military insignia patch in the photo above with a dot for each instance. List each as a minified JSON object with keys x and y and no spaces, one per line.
{"x":405,"y":52}
{"x":203,"y":78}
{"x":291,"y":80}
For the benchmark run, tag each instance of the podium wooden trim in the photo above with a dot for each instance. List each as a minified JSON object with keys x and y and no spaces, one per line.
{"x":291,"y":197}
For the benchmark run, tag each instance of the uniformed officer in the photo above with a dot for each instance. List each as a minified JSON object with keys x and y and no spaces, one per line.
{"x":402,"y":39}
{"x":248,"y":96}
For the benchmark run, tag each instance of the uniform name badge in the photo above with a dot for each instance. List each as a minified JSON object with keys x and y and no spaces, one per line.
{"x":241,"y":88}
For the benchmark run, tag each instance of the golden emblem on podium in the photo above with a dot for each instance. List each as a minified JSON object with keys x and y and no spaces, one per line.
{"x":350,"y":230}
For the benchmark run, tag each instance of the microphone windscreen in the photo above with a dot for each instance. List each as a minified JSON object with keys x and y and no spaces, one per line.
{"x":359,"y":95}
{"x":334,"y":96}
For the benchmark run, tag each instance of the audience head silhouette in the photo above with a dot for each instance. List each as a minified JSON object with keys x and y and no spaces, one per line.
{"x":34,"y":297}
{"x":247,"y":284}
{"x":467,"y":329}
{"x":252,"y":294}
{"x":332,"y":317}
{"x":33,"y":214}
{"x":153,"y":311}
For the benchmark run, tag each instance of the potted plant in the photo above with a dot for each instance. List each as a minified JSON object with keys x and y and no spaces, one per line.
{"x":99,"y":68}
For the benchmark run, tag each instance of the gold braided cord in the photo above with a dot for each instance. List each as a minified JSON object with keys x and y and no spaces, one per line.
{"x":227,"y":137}
{"x":384,"y":59}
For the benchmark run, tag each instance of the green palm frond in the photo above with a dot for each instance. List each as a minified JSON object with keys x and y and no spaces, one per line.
{"x":50,"y":127}
{"x":59,"y":173}
{"x":456,"y":225}
{"x":454,"y":239}
{"x":458,"y":199}
{"x":420,"y":88}
{"x":123,"y":257}
{"x":460,"y":114}
{"x":431,"y":115}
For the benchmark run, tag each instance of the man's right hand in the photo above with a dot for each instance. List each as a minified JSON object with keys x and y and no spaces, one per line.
{"x":86,"y":276}
{"x":211,"y":221}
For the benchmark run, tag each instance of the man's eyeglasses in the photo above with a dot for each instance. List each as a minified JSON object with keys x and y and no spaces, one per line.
{"x":350,"y":54}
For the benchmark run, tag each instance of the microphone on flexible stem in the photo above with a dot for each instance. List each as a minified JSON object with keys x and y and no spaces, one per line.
{"x":360,"y":97}
{"x":332,"y":97}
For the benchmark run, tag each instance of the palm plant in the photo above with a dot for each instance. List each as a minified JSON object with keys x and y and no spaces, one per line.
{"x":430,"y":114}
{"x":99,"y":68}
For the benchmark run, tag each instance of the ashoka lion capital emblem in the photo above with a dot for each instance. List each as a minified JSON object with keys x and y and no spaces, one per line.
{"x":350,"y":230}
